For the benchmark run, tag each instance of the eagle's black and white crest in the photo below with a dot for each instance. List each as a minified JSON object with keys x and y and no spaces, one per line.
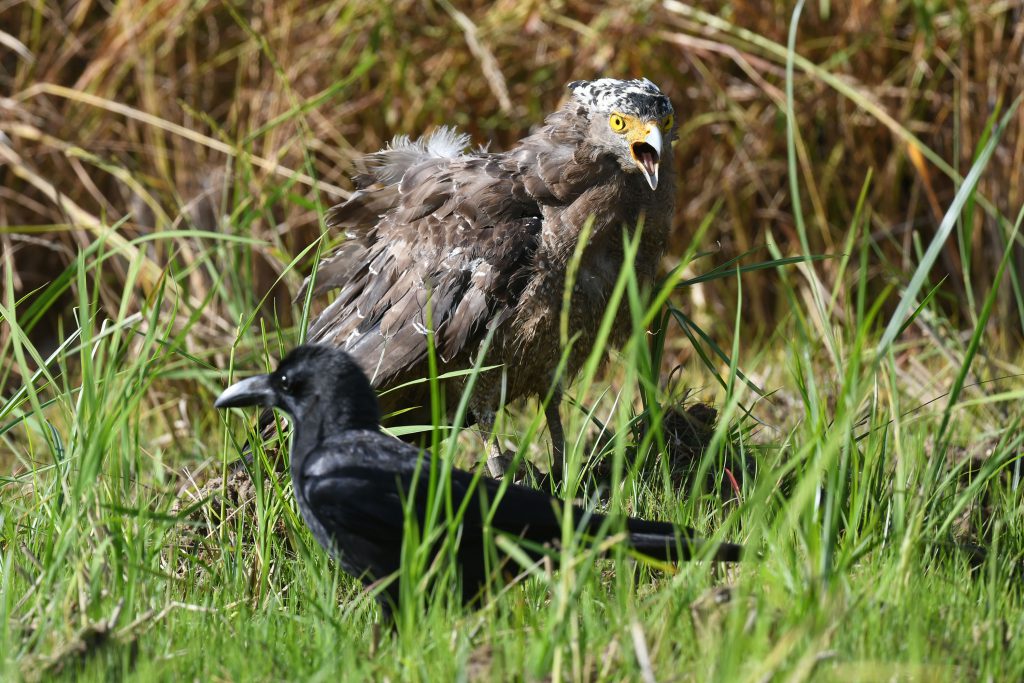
{"x":637,"y":97}
{"x":484,"y":239}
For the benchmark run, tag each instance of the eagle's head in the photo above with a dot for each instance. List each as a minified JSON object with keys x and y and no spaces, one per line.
{"x":631,"y":119}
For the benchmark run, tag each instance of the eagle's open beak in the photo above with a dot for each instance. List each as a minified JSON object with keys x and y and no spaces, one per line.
{"x":255,"y":391}
{"x":647,"y":154}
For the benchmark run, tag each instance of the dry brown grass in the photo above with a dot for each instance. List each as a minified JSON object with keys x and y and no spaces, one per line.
{"x":171,"y":114}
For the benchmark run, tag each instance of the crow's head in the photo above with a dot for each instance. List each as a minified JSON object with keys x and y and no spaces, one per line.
{"x":312,"y":380}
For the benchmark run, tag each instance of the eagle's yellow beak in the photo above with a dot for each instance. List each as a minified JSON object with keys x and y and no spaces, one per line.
{"x":645,"y":147}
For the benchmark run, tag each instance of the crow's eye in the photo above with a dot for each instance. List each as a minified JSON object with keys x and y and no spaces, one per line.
{"x":284,"y":382}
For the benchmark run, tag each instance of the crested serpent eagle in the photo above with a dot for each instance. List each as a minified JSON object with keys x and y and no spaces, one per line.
{"x":485,"y":239}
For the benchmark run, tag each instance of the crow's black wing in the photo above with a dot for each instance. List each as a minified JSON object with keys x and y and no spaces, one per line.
{"x":361,"y":518}
{"x":361,"y":490}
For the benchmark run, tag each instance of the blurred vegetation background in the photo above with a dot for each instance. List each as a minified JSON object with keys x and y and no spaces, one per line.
{"x":163,"y":115}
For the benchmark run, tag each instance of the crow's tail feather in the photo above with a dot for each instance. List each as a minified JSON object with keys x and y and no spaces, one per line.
{"x":666,"y":541}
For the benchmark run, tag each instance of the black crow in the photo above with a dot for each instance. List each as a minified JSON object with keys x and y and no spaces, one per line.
{"x":352,"y":482}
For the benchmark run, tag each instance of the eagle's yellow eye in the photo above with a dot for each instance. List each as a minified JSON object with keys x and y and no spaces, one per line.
{"x":666,"y":123}
{"x":617,"y":123}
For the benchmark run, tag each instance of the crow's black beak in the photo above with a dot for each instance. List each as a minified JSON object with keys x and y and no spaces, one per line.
{"x":255,"y":391}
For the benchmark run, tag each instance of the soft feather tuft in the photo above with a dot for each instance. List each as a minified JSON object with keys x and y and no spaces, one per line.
{"x":390,"y":164}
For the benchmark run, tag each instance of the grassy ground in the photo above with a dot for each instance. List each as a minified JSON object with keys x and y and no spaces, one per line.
{"x":868,"y":508}
{"x":869,"y":403}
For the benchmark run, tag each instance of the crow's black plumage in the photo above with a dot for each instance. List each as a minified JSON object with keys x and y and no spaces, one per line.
{"x":350,"y":480}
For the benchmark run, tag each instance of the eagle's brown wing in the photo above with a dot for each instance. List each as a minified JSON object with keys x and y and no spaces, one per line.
{"x":457,"y":230}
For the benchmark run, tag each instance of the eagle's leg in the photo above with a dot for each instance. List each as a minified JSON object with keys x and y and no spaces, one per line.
{"x":554,"y":420}
{"x":498,"y":461}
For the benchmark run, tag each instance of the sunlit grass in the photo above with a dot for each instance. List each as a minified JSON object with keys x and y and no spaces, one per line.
{"x":861,"y":573}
